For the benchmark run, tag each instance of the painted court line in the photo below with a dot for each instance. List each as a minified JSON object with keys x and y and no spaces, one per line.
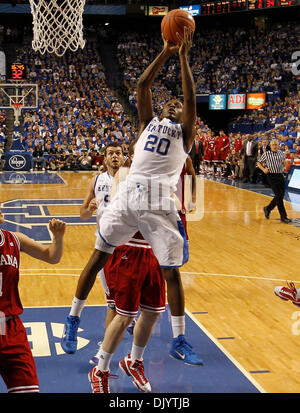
{"x":259,"y":371}
{"x":232,"y":211}
{"x":200,"y":312}
{"x":63,"y":306}
{"x":236,"y":276}
{"x":227,"y":354}
{"x":226,"y":338}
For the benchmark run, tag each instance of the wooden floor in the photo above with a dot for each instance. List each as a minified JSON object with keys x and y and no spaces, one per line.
{"x":237,"y":257}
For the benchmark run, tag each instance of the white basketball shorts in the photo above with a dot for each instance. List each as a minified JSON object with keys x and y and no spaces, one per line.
{"x":162,"y":229}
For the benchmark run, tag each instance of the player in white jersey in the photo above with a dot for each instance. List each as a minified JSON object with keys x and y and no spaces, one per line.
{"x":97,"y":199}
{"x":145,"y":201}
{"x":163,"y":138}
{"x":101,"y":184}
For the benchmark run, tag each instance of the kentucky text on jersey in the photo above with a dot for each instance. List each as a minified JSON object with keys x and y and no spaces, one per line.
{"x":164,"y":130}
{"x":104,"y":188}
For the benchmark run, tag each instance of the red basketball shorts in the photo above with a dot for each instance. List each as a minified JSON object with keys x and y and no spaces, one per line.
{"x":221,"y":156}
{"x":132,"y":279}
{"x":209,"y":156}
{"x":17,"y":366}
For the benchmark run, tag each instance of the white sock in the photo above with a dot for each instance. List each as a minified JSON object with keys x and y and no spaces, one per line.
{"x":137,"y":352}
{"x":77,"y":307}
{"x":178,"y":325}
{"x":104,"y":360}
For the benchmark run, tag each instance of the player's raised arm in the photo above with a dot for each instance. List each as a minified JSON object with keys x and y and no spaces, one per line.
{"x":48,"y":253}
{"x":144,"y":94}
{"x":188,"y":88}
{"x":89,"y":205}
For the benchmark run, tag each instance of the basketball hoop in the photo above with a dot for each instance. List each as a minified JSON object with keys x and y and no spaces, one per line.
{"x":57,"y":25}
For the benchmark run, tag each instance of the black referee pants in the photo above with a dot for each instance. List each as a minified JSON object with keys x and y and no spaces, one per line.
{"x":277,"y":183}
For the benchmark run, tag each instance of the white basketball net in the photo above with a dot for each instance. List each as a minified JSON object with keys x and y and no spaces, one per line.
{"x":57,"y":25}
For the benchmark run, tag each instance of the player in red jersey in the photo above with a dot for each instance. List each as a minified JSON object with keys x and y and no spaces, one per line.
{"x":209,"y":153}
{"x":221,"y":151}
{"x":222,"y":146}
{"x":238,"y":143}
{"x":132,"y":279}
{"x":17,"y":366}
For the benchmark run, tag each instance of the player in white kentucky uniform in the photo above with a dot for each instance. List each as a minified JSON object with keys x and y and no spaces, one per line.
{"x":145,"y":200}
{"x":102,"y":188}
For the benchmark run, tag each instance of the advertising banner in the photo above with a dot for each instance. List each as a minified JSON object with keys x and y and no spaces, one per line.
{"x":236,"y":101}
{"x":193,"y":9}
{"x":217,"y":102}
{"x":256,"y":100}
{"x":158,"y":10}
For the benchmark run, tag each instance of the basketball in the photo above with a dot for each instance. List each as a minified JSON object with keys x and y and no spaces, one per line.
{"x":175,"y":21}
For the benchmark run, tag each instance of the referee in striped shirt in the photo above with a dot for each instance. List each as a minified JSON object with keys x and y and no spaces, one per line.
{"x":274,"y":161}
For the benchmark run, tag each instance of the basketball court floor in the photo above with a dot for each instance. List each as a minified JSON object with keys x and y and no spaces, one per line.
{"x":247,"y":337}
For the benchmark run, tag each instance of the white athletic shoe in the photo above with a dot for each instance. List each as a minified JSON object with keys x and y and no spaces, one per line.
{"x":289,"y":293}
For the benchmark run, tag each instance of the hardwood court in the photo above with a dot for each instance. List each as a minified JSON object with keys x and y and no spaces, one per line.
{"x":237,"y":257}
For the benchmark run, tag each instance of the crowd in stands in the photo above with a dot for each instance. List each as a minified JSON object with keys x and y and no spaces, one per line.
{"x":245,"y":59}
{"x":235,"y":60}
{"x":78,"y":114}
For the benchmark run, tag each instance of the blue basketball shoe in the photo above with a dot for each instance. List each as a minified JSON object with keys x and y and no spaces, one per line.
{"x":69,"y":337}
{"x":182,"y":350}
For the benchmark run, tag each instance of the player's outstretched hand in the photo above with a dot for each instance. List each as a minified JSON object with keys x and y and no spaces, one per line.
{"x":57,"y":227}
{"x":186,"y":42}
{"x":170,"y":47}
